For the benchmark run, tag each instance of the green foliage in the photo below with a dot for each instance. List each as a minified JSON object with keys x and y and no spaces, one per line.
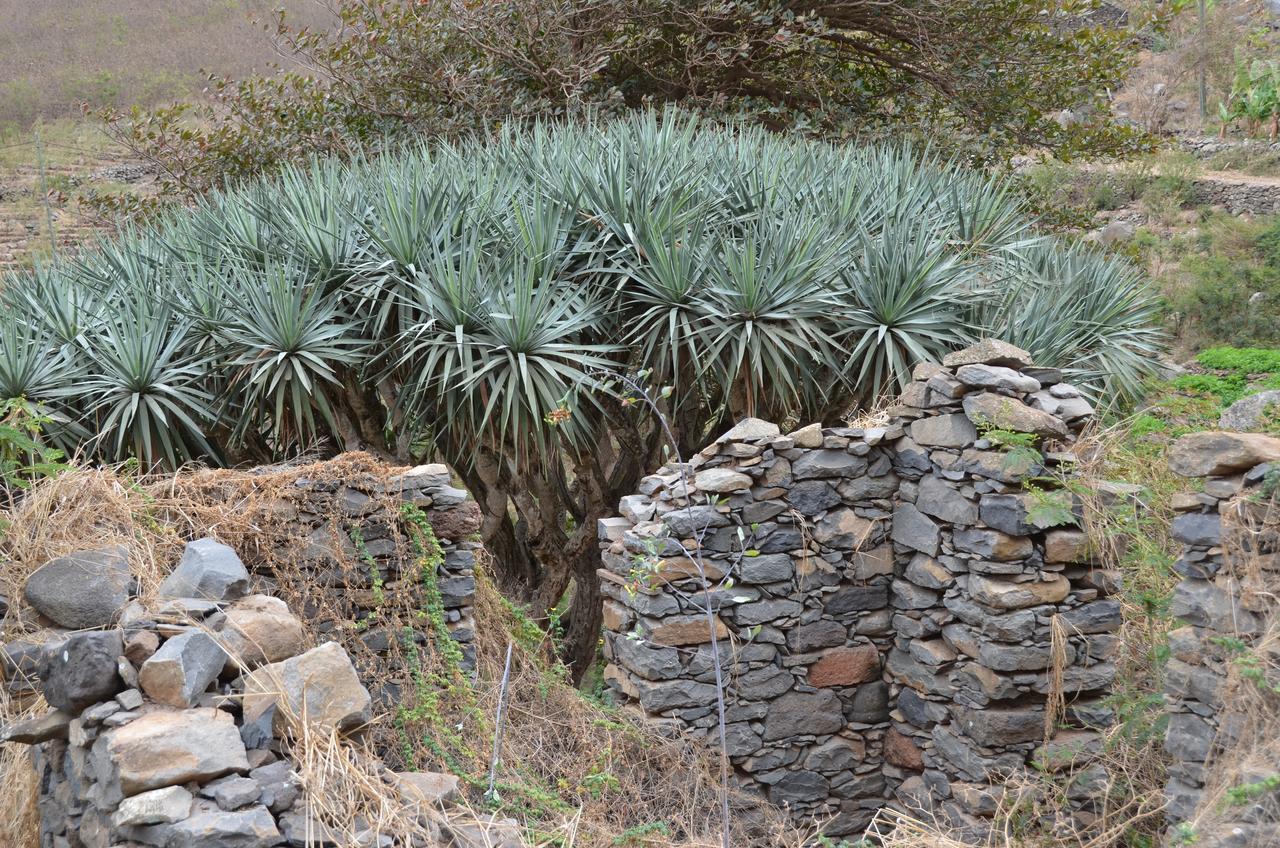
{"x":395,"y":71}
{"x":458,"y":295}
{"x":1050,"y":508}
{"x":24,"y":456}
{"x":1254,"y":98}
{"x":1227,"y":390}
{"x":1226,"y":283}
{"x":1241,"y":360}
{"x":1247,"y":793}
{"x":642,"y":834}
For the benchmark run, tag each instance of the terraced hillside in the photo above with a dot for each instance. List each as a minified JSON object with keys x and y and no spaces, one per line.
{"x":58,"y":54}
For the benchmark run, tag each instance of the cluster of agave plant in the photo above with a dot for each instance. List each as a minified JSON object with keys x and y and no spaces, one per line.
{"x":450,"y":296}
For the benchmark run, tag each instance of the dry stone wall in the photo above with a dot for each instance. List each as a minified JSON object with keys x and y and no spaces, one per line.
{"x":1222,"y":727}
{"x":328,"y":525}
{"x":885,"y":601}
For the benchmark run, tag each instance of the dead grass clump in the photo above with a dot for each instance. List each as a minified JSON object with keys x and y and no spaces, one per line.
{"x":19,"y":816}
{"x":87,"y":508}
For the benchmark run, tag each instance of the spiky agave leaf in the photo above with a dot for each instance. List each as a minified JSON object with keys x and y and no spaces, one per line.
{"x":764,"y":329}
{"x":284,"y":347}
{"x":34,"y":367}
{"x":1080,"y":310}
{"x":142,"y":388}
{"x":905,"y":303}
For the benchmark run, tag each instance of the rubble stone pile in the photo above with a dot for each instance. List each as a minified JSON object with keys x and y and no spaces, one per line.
{"x":173,"y":719}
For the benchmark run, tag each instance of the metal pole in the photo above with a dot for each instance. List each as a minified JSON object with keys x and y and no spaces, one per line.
{"x":491,"y":793}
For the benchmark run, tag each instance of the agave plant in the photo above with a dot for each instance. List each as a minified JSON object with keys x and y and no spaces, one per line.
{"x":143,"y":391}
{"x":479,"y":303}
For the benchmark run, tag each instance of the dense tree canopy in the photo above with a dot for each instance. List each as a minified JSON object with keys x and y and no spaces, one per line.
{"x":989,"y":77}
{"x":477,"y":303}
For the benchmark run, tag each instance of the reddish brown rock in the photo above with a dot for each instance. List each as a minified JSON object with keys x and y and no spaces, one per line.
{"x":846,"y":666}
{"x":457,"y":522}
{"x":900,"y":751}
{"x":140,"y":645}
{"x":687,"y":630}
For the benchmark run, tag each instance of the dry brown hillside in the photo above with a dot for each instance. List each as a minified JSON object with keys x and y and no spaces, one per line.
{"x":57,"y":54}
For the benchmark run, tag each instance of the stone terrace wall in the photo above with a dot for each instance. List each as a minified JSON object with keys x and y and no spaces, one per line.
{"x":1226,"y":602}
{"x":891,"y":607}
{"x":335,"y":531}
{"x":170,"y":729}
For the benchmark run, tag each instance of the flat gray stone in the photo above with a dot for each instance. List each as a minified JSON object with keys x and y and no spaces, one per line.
{"x":997,"y":377}
{"x":1252,"y":413}
{"x":915,"y":530}
{"x":209,"y":570}
{"x":1006,"y":413}
{"x":251,"y":828}
{"x":1197,"y":529}
{"x":232,"y":792}
{"x":52,"y":725}
{"x":674,"y":694}
{"x":989,"y":352}
{"x":280,"y":787}
{"x":651,"y":663}
{"x":827,"y":463}
{"x":721,"y":480}
{"x":750,"y":430}
{"x":1006,"y":513}
{"x":83,"y":590}
{"x":811,"y":497}
{"x":767,"y":568}
{"x":798,"y":713}
{"x":944,"y":431}
{"x":156,"y":806}
{"x":179,"y":673}
{"x":819,"y":634}
{"x":940,"y":499}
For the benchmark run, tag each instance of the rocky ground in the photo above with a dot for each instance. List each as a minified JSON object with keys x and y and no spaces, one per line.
{"x":197,"y":719}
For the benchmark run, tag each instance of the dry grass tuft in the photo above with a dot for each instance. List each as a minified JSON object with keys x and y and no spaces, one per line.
{"x":19,"y":816}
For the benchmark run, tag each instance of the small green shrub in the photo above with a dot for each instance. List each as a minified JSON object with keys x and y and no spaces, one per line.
{"x":1225,"y":285}
{"x":24,"y":457}
{"x":1102,"y":194}
{"x":1228,"y":389}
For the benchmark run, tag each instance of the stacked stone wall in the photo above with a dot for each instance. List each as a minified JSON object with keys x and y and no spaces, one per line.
{"x":1222,"y":724}
{"x":327,"y":522}
{"x":884,"y":597}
